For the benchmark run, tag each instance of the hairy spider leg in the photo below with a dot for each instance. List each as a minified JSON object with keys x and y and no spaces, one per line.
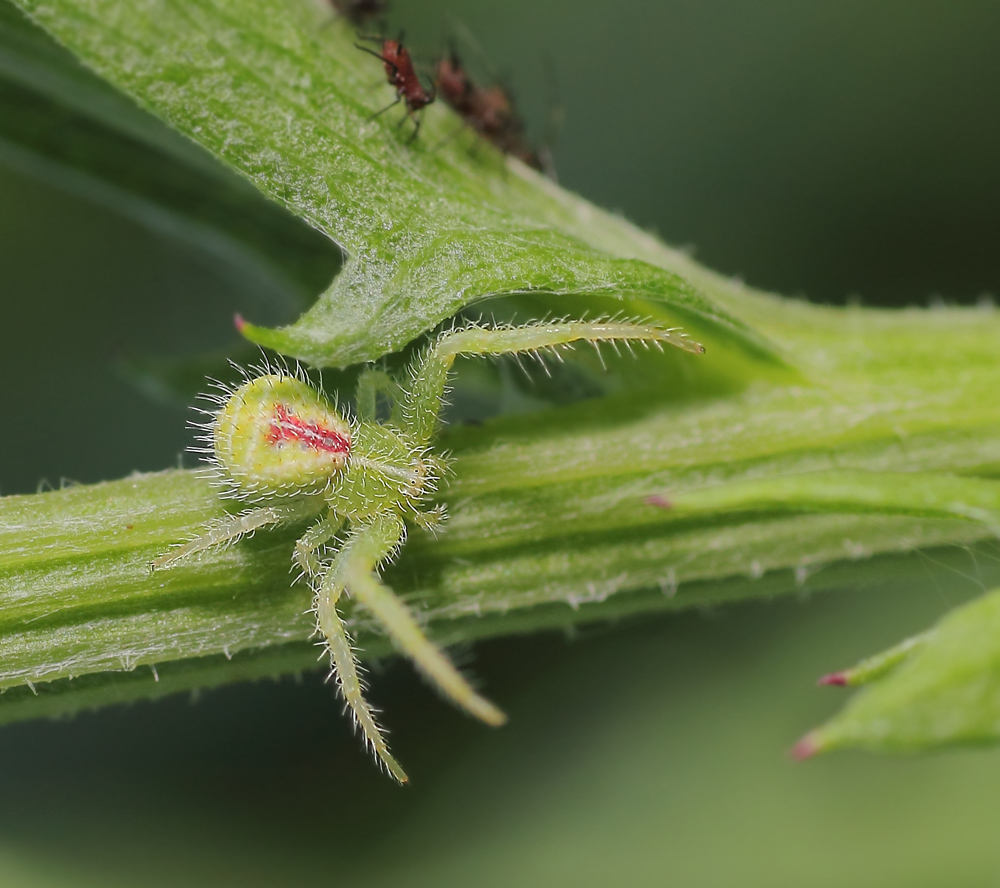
{"x":328,"y":590}
{"x":387,"y":529}
{"x":332,"y":585}
{"x":234,"y":527}
{"x":314,"y":538}
{"x":422,"y":404}
{"x":345,"y":664}
{"x":371,"y":543}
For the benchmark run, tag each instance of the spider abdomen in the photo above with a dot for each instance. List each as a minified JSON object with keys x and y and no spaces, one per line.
{"x":277,"y":436}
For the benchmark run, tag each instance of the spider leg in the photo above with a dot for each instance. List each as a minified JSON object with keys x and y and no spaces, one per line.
{"x":422,"y":404}
{"x":314,"y":538}
{"x":433,"y":519}
{"x":345,"y":664}
{"x":370,"y":545}
{"x":373,"y":543}
{"x":233,"y":527}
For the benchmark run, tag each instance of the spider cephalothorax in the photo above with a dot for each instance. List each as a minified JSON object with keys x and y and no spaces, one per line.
{"x":277,"y":443}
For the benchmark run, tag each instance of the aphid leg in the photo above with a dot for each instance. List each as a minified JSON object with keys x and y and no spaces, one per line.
{"x":371,"y":384}
{"x":422,"y":404}
{"x":345,"y":664}
{"x":416,"y":126}
{"x":233,"y":527}
{"x":382,"y":111}
{"x":372,"y":543}
{"x":313,"y":539}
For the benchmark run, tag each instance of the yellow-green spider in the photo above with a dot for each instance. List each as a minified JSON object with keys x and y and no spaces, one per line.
{"x":276,"y":443}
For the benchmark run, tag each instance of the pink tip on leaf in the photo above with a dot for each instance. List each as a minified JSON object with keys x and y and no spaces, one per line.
{"x":238,"y":322}
{"x":660,"y":501}
{"x":807,"y":747}
{"x":837,"y":679}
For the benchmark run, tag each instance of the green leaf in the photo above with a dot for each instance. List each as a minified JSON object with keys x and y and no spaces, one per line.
{"x":284,"y":98}
{"x":940,"y":688}
{"x":875,"y":667}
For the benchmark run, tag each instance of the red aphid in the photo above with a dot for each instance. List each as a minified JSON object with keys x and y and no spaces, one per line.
{"x":454,"y":85}
{"x":489,"y":111}
{"x":402,"y":76}
{"x":496,"y":118}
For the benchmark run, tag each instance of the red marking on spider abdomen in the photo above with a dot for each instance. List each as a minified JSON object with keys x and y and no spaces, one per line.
{"x":286,"y":426}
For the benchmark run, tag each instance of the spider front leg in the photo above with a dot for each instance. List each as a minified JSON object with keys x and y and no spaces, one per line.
{"x":354,"y":570}
{"x":422,"y":403}
{"x":345,"y":664}
{"x":372,"y":545}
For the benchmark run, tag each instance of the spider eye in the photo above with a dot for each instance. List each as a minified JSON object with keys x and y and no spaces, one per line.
{"x":277,"y":436}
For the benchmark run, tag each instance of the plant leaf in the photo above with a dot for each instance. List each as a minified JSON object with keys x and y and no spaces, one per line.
{"x":283,"y":97}
{"x":875,"y":667}
{"x":941,"y":688}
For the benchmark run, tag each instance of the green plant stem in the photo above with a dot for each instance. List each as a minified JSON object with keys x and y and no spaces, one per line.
{"x":810,"y":448}
{"x":550,"y":521}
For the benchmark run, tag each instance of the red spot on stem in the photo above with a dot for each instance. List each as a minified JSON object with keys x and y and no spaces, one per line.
{"x":239,"y":323}
{"x":838,"y":679}
{"x":286,"y":426}
{"x":661,"y":502}
{"x":807,"y":747}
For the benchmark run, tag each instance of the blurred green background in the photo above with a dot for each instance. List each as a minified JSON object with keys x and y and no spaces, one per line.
{"x":842,"y":151}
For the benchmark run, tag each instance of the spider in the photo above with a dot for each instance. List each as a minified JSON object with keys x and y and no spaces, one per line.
{"x":279,"y":445}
